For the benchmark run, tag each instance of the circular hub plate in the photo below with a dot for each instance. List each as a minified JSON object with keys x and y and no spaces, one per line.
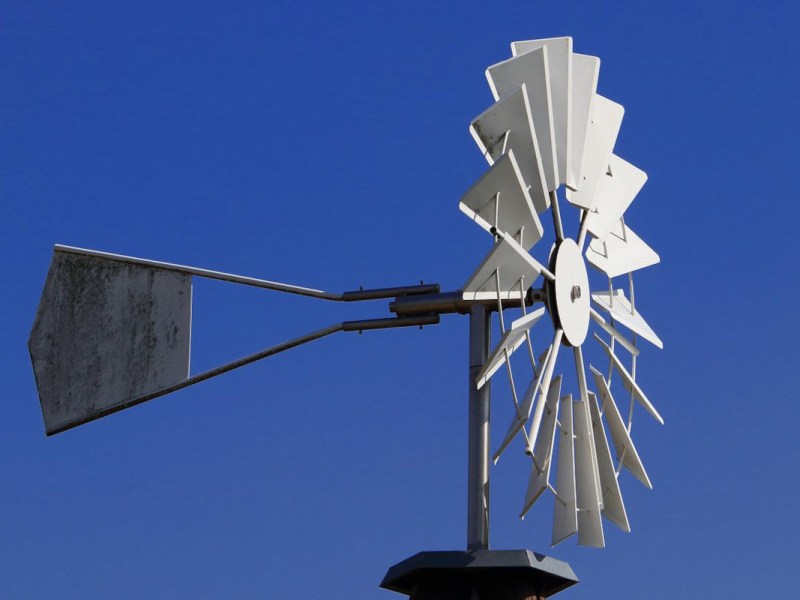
{"x":572,"y":292}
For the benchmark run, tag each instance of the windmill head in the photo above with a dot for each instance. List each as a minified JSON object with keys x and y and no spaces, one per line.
{"x":113,"y":331}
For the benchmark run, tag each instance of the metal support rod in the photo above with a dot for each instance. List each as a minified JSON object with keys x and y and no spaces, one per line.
{"x":351,"y":296}
{"x":478,"y":454}
{"x":246,"y":360}
{"x":557,"y":223}
{"x":392,"y":292}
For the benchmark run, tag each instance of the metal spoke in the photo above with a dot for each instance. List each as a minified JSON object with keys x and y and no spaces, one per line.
{"x":557,"y":224}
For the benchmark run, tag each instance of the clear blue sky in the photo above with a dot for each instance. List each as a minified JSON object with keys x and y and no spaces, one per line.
{"x":326,"y":144}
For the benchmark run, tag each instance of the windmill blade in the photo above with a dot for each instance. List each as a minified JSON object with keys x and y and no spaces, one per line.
{"x":590,"y":526}
{"x":107,"y":332}
{"x":613,"y":507}
{"x":617,"y":189}
{"x":511,"y":340}
{"x":532,"y":70}
{"x":512,"y":263}
{"x":543,"y":452}
{"x":565,"y":509}
{"x":600,"y":140}
{"x":629,"y":383}
{"x":621,"y":310}
{"x":623,"y":252}
{"x":500,"y":200}
{"x":623,"y":444}
{"x":580,"y":371}
{"x":542,"y":382}
{"x":585,"y":73}
{"x":559,"y":64}
{"x":507,"y":126}
{"x":613,"y":332}
{"x":540,"y":403}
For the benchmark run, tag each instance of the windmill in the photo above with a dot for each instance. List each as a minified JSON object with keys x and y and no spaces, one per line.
{"x":114,"y":331}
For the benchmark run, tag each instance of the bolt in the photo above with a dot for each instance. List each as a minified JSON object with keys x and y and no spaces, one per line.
{"x":576,"y":292}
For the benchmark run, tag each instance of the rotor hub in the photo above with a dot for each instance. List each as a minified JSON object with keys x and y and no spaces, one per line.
{"x":570,"y":294}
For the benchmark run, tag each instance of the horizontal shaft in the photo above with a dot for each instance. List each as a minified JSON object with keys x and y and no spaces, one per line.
{"x":454,"y":302}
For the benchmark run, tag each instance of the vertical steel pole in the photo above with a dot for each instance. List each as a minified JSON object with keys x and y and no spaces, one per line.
{"x":478,"y":468}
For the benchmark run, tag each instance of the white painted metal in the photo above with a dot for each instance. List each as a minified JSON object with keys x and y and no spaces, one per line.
{"x":629,"y":383}
{"x":580,"y":371}
{"x":500,"y":199}
{"x":623,"y":444}
{"x":613,"y":507}
{"x":532,"y":70}
{"x":559,"y":63}
{"x":622,"y":311}
{"x":539,"y":385}
{"x":590,"y":526}
{"x":572,"y":295}
{"x":513,"y":263}
{"x":585,"y":72}
{"x":548,"y":376}
{"x":507,"y":126}
{"x":613,"y":332}
{"x":511,"y":340}
{"x":548,"y":108}
{"x":565,"y":509}
{"x":617,"y":189}
{"x":107,"y":332}
{"x":600,"y":140}
{"x":623,"y":252}
{"x":543,"y":451}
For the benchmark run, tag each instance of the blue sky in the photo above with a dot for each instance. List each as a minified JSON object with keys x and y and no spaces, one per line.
{"x":327,"y":145}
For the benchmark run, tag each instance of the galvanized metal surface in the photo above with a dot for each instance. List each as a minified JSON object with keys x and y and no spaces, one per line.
{"x":107,"y":332}
{"x":478,"y":444}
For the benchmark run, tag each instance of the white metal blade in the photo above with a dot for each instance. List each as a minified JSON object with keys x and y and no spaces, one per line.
{"x":629,"y":383}
{"x":500,"y":199}
{"x":531,"y":69}
{"x":548,"y":376}
{"x":621,"y":310}
{"x":107,"y":333}
{"x":543,"y":452}
{"x":617,"y":189}
{"x":613,"y":332}
{"x":559,"y":62}
{"x":623,"y":444}
{"x":513,"y":263}
{"x":507,"y":126}
{"x":565,"y":509}
{"x":580,"y":369}
{"x":542,"y":382}
{"x":600,"y":140}
{"x":511,"y":340}
{"x":613,"y":507}
{"x":623,"y":252}
{"x":590,"y":526}
{"x":585,"y":72}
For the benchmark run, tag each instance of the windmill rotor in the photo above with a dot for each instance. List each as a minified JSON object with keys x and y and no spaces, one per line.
{"x":572,"y":131}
